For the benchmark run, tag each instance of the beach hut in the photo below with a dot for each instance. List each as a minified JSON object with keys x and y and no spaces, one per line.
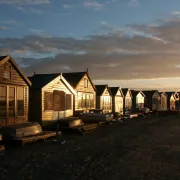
{"x":51,"y":98}
{"x":103,"y":98}
{"x":171,"y":100}
{"x":163,"y":101}
{"x":138,"y":99}
{"x":127,"y":99}
{"x":149,"y":101}
{"x":85,"y":91}
{"x":14,"y":93}
{"x":117,"y":99}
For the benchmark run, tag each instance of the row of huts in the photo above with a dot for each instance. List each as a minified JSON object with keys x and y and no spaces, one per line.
{"x":47,"y":97}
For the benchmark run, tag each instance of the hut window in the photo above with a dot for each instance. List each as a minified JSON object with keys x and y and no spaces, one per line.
{"x":20,"y":101}
{"x":85,"y":82}
{"x":68,"y":101}
{"x":106,"y":102}
{"x":91,"y":101}
{"x":84,"y":102}
{"x":80,"y":99}
{"x":48,"y":101}
{"x":3,"y":92}
{"x":11,"y":102}
{"x":7,"y":71}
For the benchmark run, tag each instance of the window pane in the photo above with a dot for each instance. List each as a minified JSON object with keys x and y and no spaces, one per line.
{"x":84,"y":101}
{"x":11,"y":92}
{"x":11,"y":102}
{"x":2,"y":108}
{"x":91,"y":100}
{"x":2,"y":102}
{"x":20,"y":93}
{"x":80,"y":100}
{"x":2,"y":91}
{"x":20,"y":101}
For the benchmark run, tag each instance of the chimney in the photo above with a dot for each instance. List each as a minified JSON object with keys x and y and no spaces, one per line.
{"x":34,"y":72}
{"x":87,"y":70}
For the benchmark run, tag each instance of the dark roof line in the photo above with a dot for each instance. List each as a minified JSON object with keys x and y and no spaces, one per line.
{"x":40,"y":80}
{"x":100,"y":89}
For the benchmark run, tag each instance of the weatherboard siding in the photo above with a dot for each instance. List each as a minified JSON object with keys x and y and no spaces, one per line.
{"x":118,"y":103}
{"x":172,"y":103}
{"x":156,"y":102}
{"x":128,"y":100}
{"x":163,"y":102}
{"x":16,"y":78}
{"x":139,"y":100}
{"x":81,"y":88}
{"x":48,"y":115}
{"x":108,"y":98}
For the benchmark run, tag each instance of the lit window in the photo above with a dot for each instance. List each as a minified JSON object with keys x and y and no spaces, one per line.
{"x":20,"y":101}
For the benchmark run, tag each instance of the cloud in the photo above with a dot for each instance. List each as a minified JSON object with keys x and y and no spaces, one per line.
{"x":176,"y":13}
{"x":135,"y":52}
{"x":9,"y":22}
{"x":37,"y":31}
{"x":107,"y":27}
{"x":66,"y":6}
{"x":93,"y":4}
{"x":4,"y":28}
{"x":8,"y":25}
{"x":30,"y":10}
{"x":133,"y":3}
{"x":24,"y":2}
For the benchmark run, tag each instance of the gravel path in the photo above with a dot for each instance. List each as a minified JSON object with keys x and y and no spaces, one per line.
{"x":147,"y":148}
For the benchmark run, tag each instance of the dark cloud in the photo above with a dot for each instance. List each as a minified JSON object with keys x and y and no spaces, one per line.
{"x":147,"y":52}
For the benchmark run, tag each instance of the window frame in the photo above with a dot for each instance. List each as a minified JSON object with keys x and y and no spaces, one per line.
{"x":17,"y":101}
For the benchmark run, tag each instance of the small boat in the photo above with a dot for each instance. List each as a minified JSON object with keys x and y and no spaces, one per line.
{"x":24,"y":133}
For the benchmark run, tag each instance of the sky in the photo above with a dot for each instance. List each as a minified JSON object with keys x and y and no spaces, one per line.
{"x":127,"y":43}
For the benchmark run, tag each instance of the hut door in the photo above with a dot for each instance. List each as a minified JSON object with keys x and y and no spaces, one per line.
{"x":11,"y":107}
